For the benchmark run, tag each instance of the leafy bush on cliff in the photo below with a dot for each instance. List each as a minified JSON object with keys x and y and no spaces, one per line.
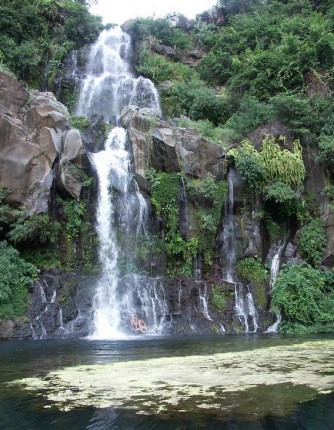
{"x":312,"y":241}
{"x":270,"y":50}
{"x":16,"y":277}
{"x":251,"y":270}
{"x":305,"y":297}
{"x":270,"y":164}
{"x":161,"y":30}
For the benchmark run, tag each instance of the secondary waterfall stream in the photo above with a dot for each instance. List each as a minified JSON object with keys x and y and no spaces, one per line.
{"x":122,"y":211}
{"x":274,"y":269}
{"x":244,"y":303}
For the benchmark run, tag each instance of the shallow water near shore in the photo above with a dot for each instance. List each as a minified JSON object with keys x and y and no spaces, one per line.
{"x":226,"y":382}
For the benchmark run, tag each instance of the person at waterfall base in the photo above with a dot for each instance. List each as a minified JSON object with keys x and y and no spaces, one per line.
{"x":138,"y":324}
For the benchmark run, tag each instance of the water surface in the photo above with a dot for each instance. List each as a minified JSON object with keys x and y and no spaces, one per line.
{"x":274,"y":404}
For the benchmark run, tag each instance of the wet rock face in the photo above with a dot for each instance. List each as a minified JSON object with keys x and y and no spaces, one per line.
{"x":61,"y":306}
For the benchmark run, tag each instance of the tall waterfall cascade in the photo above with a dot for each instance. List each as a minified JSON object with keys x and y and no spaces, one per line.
{"x":122,"y":211}
{"x":244,"y":302}
{"x":110,"y":85}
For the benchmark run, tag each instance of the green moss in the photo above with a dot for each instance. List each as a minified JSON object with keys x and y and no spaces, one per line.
{"x":251,"y":270}
{"x":218,"y":300}
{"x":208,"y":199}
{"x":79,"y":122}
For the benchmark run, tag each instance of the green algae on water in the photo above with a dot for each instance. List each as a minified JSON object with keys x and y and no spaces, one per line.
{"x":264,"y":381}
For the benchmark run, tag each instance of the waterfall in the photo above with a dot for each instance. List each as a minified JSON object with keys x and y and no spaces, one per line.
{"x":244,"y":302}
{"x":203,"y":301}
{"x":122,"y":211}
{"x":274,"y":269}
{"x":229,"y":236}
{"x":109,"y":84}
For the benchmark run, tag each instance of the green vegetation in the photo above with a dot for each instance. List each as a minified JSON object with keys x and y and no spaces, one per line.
{"x":164,"y":191}
{"x":74,"y":212}
{"x":16,"y":277}
{"x":204,"y":127}
{"x":35,"y":229}
{"x":312,"y":241}
{"x":79,"y":122}
{"x":218,"y":300}
{"x":251,"y":270}
{"x":207,"y":198}
{"x":305,"y":296}
{"x":38,"y":32}
{"x":270,"y":164}
{"x":160,"y":31}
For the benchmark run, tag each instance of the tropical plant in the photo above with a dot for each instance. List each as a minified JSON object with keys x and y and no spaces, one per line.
{"x":250,"y":269}
{"x":299,"y":293}
{"x":312,"y":241}
{"x":16,"y":277}
{"x":271,"y":164}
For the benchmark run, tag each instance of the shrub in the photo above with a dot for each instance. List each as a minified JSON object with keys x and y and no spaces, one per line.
{"x":270,"y":164}
{"x":159,"y":69}
{"x":312,"y":241}
{"x":251,"y":114}
{"x":74,"y":212}
{"x":161,"y":29}
{"x":16,"y":276}
{"x":37,"y":228}
{"x":299,"y":293}
{"x":279,"y":192}
{"x":217,"y":299}
{"x":326,"y":150}
{"x":251,"y":270}
{"x":207,"y":105}
{"x":79,"y":122}
{"x":295,"y":111}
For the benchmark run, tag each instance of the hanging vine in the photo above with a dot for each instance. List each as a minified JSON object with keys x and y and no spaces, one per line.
{"x":276,"y":164}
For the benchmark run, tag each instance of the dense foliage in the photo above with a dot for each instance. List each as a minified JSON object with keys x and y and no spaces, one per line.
{"x":270,"y":164}
{"x":305,"y":296}
{"x":267,"y":61}
{"x":35,"y":35}
{"x":251,"y":270}
{"x":312,"y":241}
{"x":16,"y":277}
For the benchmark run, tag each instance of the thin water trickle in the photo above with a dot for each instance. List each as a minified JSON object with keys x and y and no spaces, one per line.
{"x":203,"y":299}
{"x":244,"y":302}
{"x":274,"y":269}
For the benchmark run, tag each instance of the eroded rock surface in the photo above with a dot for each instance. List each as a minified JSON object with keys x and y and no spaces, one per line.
{"x":34,"y":134}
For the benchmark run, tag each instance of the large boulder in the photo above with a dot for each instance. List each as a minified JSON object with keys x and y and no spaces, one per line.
{"x":164,"y":154}
{"x":34,"y":134}
{"x":172,"y":149}
{"x":27,"y":148}
{"x":199,"y":156}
